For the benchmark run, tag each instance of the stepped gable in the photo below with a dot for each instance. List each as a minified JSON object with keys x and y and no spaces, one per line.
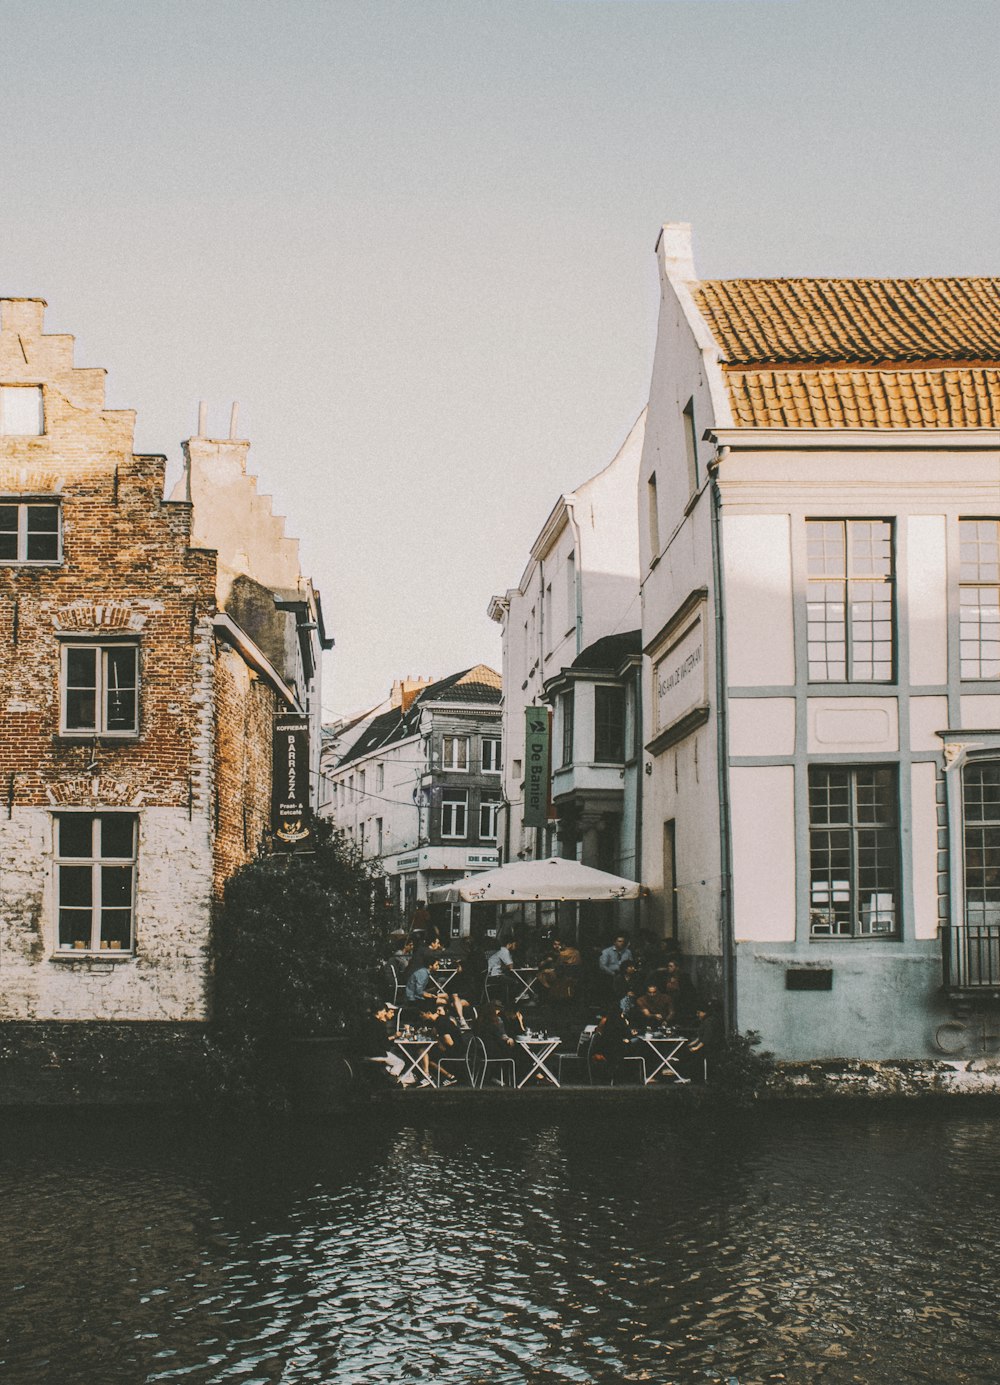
{"x":857,"y":353}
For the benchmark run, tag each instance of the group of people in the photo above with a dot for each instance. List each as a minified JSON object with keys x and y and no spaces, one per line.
{"x":641,"y":988}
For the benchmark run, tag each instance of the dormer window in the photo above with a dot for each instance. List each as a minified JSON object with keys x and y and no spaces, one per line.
{"x":30,"y":531}
{"x":22,"y":414}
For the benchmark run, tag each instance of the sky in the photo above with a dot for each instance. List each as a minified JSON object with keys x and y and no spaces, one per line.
{"x":414,"y":239}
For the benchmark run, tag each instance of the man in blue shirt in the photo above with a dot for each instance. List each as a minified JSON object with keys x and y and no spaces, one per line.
{"x":613,"y":959}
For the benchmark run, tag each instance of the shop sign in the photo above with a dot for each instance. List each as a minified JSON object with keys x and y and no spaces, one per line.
{"x":290,"y":780}
{"x":536,"y":766}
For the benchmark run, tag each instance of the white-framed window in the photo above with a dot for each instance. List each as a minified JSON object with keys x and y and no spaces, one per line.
{"x":979,"y":595}
{"x":854,"y":851}
{"x":491,"y":755}
{"x":455,"y":752}
{"x":379,"y":778}
{"x":850,"y":602}
{"x":95,"y":860}
{"x":22,"y":412}
{"x":361,"y":783}
{"x":30,"y":531}
{"x":488,"y":813}
{"x":100,"y":689}
{"x":454,"y":813}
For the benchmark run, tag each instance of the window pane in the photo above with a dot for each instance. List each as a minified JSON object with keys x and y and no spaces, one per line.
{"x":116,"y":887}
{"x":609,"y":729}
{"x":117,"y":836}
{"x":43,"y":533}
{"x":825,"y":548}
{"x":8,"y":533}
{"x":74,"y":927}
{"x":120,"y":669}
{"x":81,"y":689}
{"x":75,"y":887}
{"x":116,"y":929}
{"x":21,"y":410}
{"x":76,"y":835}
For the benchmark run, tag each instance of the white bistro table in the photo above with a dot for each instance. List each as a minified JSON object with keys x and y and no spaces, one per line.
{"x":413,"y":1050}
{"x":539,"y":1048}
{"x":441,"y":977}
{"x":527,"y":979}
{"x":664,"y":1048}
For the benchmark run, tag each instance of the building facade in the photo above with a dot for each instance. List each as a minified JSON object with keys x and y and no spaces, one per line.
{"x":139,"y":695}
{"x":819,"y":501}
{"x":420,"y":787}
{"x":580,"y":588}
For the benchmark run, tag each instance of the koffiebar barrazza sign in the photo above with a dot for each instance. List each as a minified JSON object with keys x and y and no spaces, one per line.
{"x":290,"y":780}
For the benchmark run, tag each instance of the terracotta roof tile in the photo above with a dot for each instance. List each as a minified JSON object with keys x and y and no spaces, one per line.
{"x":865,"y":398}
{"x":871,"y":321}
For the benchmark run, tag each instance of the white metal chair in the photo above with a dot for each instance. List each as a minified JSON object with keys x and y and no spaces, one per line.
{"x":479,"y":1063}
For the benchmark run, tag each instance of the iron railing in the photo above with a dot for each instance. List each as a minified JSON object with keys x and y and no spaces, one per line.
{"x":972,"y":956}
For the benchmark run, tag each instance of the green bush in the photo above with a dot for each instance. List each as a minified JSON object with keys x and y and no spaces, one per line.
{"x":737,"y":1072}
{"x":297,"y":944}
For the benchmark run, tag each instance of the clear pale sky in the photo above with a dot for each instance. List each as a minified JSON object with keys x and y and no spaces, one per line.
{"x":414,"y":238}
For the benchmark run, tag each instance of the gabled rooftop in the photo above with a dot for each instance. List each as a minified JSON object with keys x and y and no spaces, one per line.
{"x":477,"y":685}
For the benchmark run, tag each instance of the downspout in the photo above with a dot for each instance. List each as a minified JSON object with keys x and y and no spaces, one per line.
{"x":540,"y":831}
{"x":640,"y":774}
{"x":722,"y":752}
{"x":577,"y":569}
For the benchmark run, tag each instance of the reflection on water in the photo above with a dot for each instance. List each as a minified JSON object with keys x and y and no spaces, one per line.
{"x":796,"y":1244}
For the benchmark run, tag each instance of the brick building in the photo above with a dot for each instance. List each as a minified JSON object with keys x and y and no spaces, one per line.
{"x":146,"y":648}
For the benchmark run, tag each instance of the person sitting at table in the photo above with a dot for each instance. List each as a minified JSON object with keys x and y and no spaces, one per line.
{"x":374,"y":1041}
{"x":449,"y":1041}
{"x":463,"y":990}
{"x":493,"y":1032}
{"x":420,"y":991}
{"x":654,"y":1006}
{"x":609,"y":1045}
{"x":629,"y":1006}
{"x":677,"y":984}
{"x":703,"y":1047}
{"x":559,"y":970}
{"x":500,"y":979}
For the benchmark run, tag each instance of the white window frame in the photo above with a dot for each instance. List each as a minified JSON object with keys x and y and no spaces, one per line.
{"x":455,"y":814}
{"x":492,"y":763}
{"x":489,"y":812}
{"x":6,"y":391}
{"x":453,"y":743}
{"x":97,"y":862}
{"x":361,"y":783}
{"x":101,"y":689}
{"x":379,"y":777}
{"x":23,"y":505}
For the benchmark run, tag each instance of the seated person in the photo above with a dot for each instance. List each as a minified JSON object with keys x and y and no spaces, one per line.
{"x":655,"y":1007}
{"x":559,"y":970}
{"x":500,"y":978}
{"x":677,"y":985}
{"x":374,"y":1041}
{"x":464,"y":989}
{"x":705,"y":1043}
{"x":610,"y":1044}
{"x":493,"y":1032}
{"x":449,"y":1041}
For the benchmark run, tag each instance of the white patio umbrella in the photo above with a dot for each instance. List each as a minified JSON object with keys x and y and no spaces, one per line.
{"x":555,"y":878}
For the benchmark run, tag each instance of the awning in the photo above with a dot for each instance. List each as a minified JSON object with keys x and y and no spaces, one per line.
{"x":555,"y":878}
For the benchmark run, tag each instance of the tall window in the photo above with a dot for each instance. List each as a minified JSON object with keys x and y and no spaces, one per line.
{"x":100,"y":689}
{"x":361,"y":783}
{"x":653,"y":505}
{"x":21,"y":411}
{"x":609,"y":724}
{"x":981,"y":795}
{"x":455,"y":752}
{"x":95,"y":880}
{"x":854,"y":852}
{"x":691,"y":446}
{"x":568,"y":720}
{"x":491,"y":754}
{"x":454,"y":813}
{"x":29,"y":532}
{"x":979,"y":630}
{"x":850,"y":601}
{"x":570,"y":593}
{"x":488,"y":811}
{"x":378,"y":836}
{"x":379,"y":778}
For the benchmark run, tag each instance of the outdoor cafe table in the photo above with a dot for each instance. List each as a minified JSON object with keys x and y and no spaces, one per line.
{"x":413,"y":1049}
{"x":539,"y":1048}
{"x":441,"y":975}
{"x":528,"y":979}
{"x":664,"y":1048}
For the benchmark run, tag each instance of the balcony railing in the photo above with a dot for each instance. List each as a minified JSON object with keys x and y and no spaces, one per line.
{"x":972,"y":956}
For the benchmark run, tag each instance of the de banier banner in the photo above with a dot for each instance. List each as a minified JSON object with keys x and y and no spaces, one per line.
{"x":290,"y":781}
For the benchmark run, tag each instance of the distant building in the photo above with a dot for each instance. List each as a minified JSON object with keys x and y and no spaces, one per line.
{"x":820,"y":554}
{"x":578,"y":596}
{"x":420,"y":785}
{"x":146,"y":649}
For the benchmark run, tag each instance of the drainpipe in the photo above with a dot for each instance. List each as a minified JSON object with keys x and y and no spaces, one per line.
{"x":722,"y":751}
{"x":640,"y":774}
{"x":578,"y":568}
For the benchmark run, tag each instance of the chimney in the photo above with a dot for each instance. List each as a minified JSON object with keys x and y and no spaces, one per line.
{"x":404,"y":691}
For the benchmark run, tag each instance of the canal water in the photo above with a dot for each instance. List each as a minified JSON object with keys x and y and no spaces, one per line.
{"x":513,"y":1245}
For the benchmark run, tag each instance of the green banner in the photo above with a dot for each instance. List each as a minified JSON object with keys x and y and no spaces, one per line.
{"x":536,"y":766}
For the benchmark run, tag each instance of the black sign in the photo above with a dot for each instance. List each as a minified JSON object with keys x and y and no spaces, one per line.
{"x":290,"y":780}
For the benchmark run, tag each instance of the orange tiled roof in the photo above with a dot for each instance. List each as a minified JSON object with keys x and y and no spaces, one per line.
{"x":874,"y":321}
{"x":968,"y":398}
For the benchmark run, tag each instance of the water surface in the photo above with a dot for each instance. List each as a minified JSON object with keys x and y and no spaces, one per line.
{"x":793,"y":1244}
